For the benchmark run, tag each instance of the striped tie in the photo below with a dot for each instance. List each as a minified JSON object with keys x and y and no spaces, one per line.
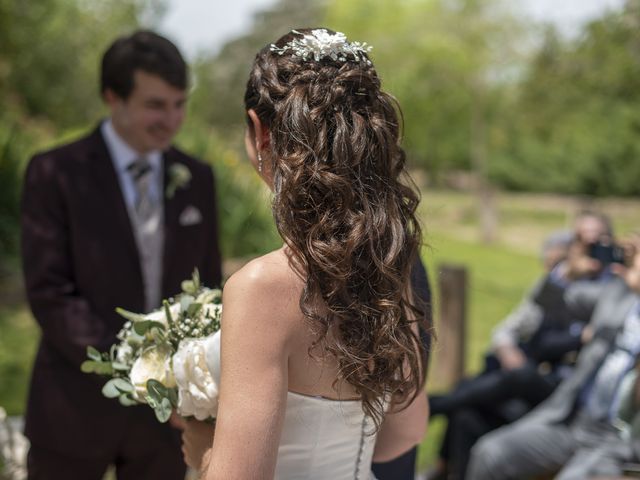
{"x":147,"y":222}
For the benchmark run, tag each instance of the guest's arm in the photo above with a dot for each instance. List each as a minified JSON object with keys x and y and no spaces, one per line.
{"x":402,"y":430}
{"x":404,"y":425}
{"x":554,"y":344}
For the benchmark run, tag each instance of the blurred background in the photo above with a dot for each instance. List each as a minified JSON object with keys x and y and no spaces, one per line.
{"x":517,"y":114}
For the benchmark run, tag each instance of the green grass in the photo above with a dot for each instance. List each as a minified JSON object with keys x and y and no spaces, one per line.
{"x":18,"y":341}
{"x":497,"y":279}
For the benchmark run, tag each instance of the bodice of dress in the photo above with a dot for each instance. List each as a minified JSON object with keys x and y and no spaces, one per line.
{"x":321,"y":438}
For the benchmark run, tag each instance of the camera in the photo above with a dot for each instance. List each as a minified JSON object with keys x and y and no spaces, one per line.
{"x":607,"y":253}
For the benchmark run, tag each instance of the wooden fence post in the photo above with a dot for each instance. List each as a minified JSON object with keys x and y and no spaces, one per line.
{"x":451,"y":328}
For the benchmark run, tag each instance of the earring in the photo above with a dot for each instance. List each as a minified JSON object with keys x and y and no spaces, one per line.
{"x":259,"y":163}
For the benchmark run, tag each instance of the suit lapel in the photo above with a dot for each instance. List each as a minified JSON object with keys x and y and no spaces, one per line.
{"x":107,"y":180}
{"x":170,"y":223}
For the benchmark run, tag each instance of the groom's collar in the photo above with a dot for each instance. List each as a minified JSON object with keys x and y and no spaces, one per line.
{"x":121,"y":153}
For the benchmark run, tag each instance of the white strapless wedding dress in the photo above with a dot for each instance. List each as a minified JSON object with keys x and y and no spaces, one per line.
{"x":322,"y":439}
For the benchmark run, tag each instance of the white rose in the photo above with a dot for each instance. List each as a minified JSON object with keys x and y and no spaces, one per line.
{"x":154,"y":363}
{"x":197,"y":387}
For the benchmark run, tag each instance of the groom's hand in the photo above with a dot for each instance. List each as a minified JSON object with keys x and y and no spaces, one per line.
{"x":197,"y":439}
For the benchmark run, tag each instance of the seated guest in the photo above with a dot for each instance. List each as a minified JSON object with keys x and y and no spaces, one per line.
{"x":575,"y":431}
{"x":532,"y":349}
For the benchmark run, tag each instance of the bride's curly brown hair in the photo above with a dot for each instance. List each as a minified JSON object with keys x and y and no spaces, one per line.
{"x":347,"y":210}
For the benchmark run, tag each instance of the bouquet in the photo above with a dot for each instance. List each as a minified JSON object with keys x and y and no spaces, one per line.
{"x":161,"y":358}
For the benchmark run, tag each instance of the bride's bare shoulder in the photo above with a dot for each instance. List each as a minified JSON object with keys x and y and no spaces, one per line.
{"x":270,"y":271}
{"x":267,"y":285}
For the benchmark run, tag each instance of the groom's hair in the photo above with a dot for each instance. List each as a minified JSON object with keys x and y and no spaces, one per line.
{"x":143,"y":50}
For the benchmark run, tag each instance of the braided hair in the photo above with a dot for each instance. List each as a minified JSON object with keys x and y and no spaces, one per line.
{"x":347,"y":211}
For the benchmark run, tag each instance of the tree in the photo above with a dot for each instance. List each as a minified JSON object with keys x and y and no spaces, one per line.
{"x":448,"y":62}
{"x":577,"y":115}
{"x":220,"y":80}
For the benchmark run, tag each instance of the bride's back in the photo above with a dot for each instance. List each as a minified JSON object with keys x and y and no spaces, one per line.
{"x":311,"y":371}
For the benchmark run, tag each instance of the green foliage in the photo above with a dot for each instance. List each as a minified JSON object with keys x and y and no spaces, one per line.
{"x":576,"y":120}
{"x":246,"y":223}
{"x":50,"y":69}
{"x":189,"y":287}
{"x":18,"y":339}
{"x":221,"y":78}
{"x":115,"y":387}
{"x":444,"y":61}
{"x":10,"y":174}
{"x":161,"y":399}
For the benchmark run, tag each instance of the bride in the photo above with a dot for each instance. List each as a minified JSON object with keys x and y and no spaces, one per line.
{"x":321,"y":365}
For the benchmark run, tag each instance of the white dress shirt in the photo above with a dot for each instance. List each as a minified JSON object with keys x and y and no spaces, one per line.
{"x":122,"y":155}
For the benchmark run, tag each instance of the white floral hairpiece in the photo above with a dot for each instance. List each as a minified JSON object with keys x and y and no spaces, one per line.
{"x":321,"y":44}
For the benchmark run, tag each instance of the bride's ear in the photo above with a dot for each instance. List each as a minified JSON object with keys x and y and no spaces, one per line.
{"x":261,"y":132}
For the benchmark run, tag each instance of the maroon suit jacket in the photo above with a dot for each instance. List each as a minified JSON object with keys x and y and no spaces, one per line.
{"x":80,"y":262}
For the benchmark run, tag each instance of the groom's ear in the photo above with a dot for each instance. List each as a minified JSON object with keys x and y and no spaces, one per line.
{"x":260,"y":130}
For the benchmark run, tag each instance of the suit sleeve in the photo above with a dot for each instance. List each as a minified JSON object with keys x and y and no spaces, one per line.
{"x":65,"y":317}
{"x":520,"y":325}
{"x":422,"y":292}
{"x":211,"y":269}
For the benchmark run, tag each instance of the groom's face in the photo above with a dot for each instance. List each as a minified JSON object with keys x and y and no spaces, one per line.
{"x":150,"y":117}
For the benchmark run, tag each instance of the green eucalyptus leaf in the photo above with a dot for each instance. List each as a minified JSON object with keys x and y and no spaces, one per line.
{"x":173,"y":397}
{"x":103,"y":368}
{"x":167,"y":313}
{"x":94,"y":354}
{"x":152,"y":402}
{"x":99,"y":368}
{"x":143,"y":326}
{"x":163,"y":411}
{"x":120,"y":366}
{"x":88,"y":366}
{"x":188,"y":287}
{"x":193,"y":309}
{"x":132,"y":317}
{"x":126,"y":400}
{"x":110,"y":390}
{"x":157,"y":388}
{"x":195,"y":277}
{"x":123,"y":385}
{"x":191,"y":287}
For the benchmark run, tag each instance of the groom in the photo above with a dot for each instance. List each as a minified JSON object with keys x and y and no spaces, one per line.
{"x":115,"y":219}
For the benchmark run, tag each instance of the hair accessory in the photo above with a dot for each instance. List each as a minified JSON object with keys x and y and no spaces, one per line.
{"x":259,"y":162}
{"x":321,"y":44}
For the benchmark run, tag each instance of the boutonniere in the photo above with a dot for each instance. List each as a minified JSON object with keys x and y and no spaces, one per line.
{"x":179,"y":177}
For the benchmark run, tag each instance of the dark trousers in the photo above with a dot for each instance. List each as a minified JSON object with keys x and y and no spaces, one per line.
{"x":481,"y":404}
{"x":493,"y":388}
{"x":138,"y":457}
{"x":401,"y":468}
